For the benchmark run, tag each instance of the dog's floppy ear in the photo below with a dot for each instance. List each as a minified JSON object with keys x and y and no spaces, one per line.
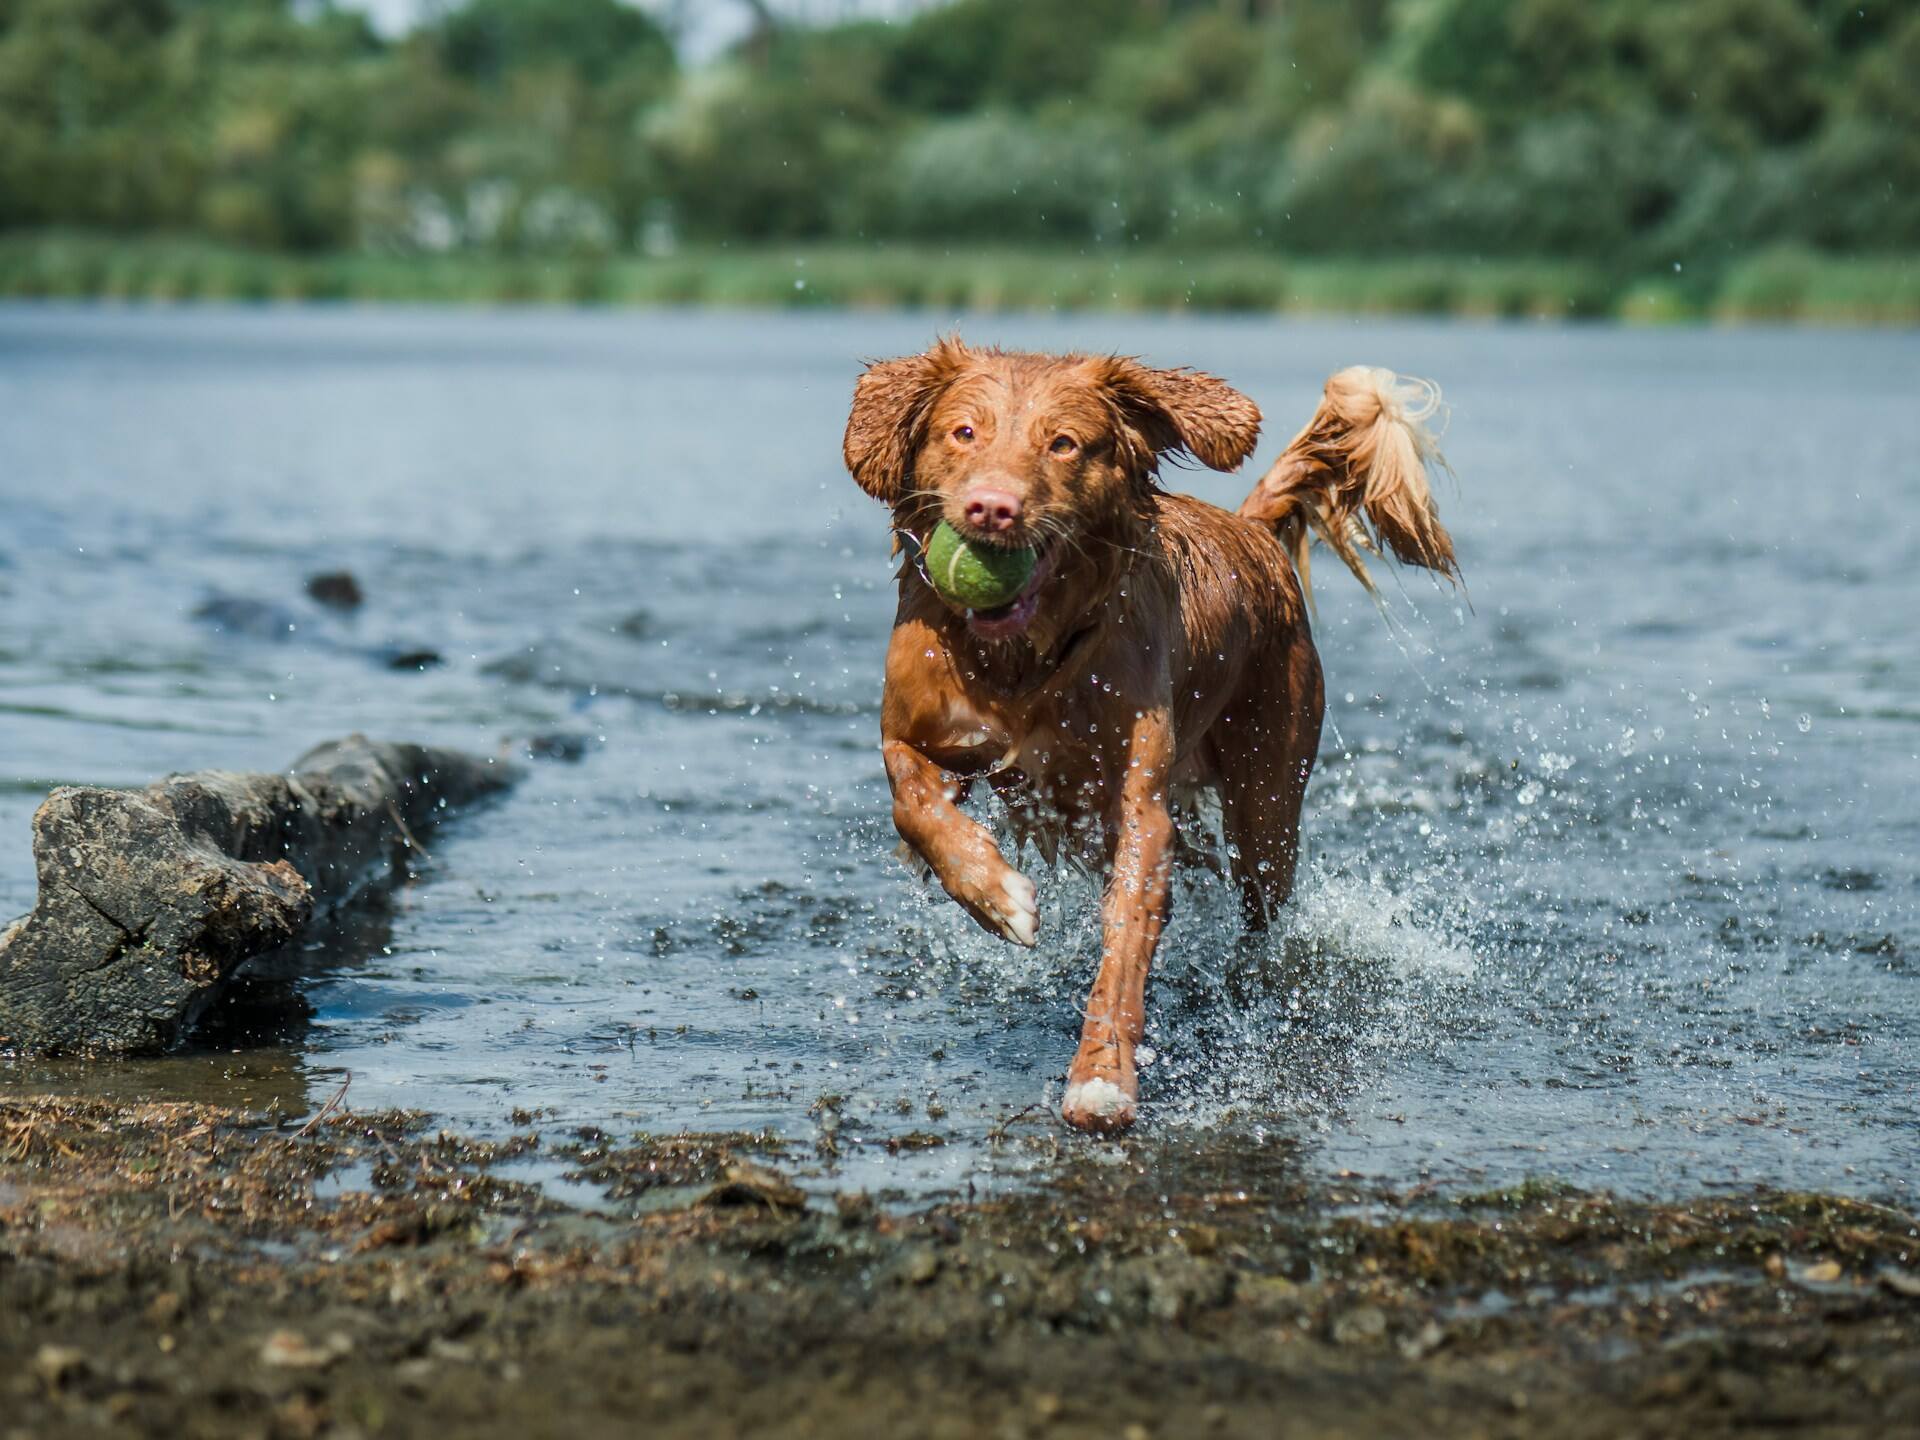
{"x":887,"y":424}
{"x":1184,"y":410}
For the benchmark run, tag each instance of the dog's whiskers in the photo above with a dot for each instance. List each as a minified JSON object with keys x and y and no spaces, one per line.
{"x":1058,"y":533}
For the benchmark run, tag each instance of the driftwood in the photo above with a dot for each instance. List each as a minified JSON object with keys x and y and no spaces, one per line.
{"x":151,"y":900}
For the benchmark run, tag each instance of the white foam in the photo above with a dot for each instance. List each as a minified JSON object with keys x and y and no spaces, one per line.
{"x":1362,"y":919}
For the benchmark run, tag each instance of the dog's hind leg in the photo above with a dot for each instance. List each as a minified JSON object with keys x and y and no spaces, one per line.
{"x":1264,"y":745}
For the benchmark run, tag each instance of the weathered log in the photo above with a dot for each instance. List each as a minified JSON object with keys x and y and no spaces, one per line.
{"x":151,"y":900}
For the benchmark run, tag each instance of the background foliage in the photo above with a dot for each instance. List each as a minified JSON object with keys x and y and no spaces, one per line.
{"x":1633,"y":134}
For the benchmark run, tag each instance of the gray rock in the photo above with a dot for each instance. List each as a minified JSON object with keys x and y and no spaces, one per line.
{"x":150,"y":901}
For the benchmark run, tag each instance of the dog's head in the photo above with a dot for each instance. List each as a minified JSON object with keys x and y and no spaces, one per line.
{"x":1057,"y":452}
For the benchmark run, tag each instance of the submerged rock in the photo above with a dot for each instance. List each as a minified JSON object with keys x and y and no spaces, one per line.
{"x":336,"y":589}
{"x":565,"y":747}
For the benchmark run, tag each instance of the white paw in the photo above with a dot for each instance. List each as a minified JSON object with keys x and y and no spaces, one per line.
{"x":1099,"y":1103}
{"x":1020,"y":910}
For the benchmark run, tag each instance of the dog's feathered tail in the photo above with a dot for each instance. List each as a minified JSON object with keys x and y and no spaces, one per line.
{"x":1358,"y":477}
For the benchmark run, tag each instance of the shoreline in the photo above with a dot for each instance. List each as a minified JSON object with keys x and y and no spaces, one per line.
{"x":176,"y":1268}
{"x":1780,"y":287}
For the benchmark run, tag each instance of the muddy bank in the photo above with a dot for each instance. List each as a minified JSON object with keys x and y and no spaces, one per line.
{"x":184,"y":1270}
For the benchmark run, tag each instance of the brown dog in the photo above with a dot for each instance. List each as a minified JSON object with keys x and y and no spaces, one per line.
{"x":1161,"y":646}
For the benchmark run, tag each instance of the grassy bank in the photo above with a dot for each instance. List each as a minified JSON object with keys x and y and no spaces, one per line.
{"x":1794,"y":286}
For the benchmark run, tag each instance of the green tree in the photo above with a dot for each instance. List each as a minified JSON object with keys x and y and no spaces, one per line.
{"x":484,"y":40}
{"x":90,"y":128}
{"x":1627,"y":132}
{"x":1024,"y":53}
{"x":1749,"y":70}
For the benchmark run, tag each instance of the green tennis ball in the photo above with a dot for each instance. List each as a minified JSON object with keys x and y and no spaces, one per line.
{"x":980,"y":577}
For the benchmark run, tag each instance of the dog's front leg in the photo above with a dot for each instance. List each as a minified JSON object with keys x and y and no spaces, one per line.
{"x":959,"y":850}
{"x":1102,"y":1087}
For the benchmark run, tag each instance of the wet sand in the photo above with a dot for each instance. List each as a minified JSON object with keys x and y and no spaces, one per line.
{"x":183,"y":1270}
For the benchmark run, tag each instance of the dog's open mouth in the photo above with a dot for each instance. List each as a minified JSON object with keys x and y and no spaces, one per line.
{"x":1010,"y":619}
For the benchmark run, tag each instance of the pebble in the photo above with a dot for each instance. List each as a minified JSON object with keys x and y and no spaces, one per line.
{"x":747,"y":1184}
{"x":1359,"y":1326}
{"x":1903,"y":1283}
{"x":415,"y":1374}
{"x":922,"y":1265}
{"x":1424,"y":1341}
{"x":290,"y":1350}
{"x":57,"y":1364}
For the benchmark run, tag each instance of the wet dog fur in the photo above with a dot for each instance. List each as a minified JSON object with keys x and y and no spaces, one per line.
{"x":1162,"y":646}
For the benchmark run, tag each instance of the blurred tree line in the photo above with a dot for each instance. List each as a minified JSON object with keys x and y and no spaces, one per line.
{"x":1634,"y":132}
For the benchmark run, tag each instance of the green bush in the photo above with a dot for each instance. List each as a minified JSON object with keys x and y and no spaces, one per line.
{"x":1361,"y":181}
{"x":1000,"y":176}
{"x":1657,"y":302}
{"x":1792,"y":284}
{"x":746,"y":157}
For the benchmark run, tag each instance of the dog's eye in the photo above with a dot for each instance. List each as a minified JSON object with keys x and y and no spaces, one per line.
{"x":963,"y":433}
{"x":1063,"y":445}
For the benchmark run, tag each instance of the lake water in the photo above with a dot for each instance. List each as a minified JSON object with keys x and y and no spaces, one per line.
{"x":1613,"y":876}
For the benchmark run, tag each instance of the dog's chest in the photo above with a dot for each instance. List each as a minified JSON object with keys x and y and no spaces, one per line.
{"x":1047,"y":747}
{"x":968,"y":736}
